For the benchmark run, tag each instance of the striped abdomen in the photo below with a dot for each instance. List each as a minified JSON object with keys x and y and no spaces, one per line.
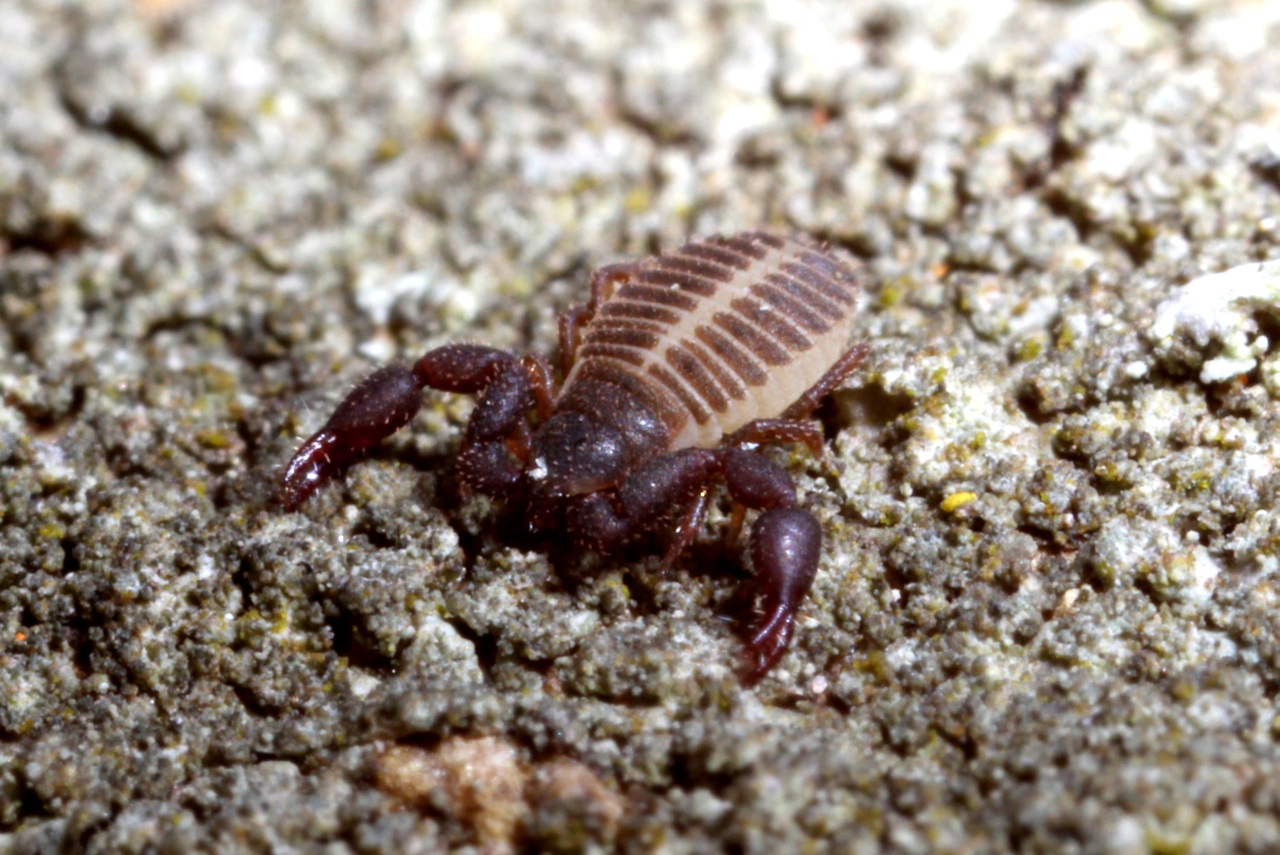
{"x":722,"y":331}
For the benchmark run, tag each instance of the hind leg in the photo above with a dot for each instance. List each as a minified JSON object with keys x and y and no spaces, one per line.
{"x":845,"y":365}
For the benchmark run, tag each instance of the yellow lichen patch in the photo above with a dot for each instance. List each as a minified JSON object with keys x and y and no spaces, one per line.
{"x":214,"y":439}
{"x":638,"y":201}
{"x":958,"y":500}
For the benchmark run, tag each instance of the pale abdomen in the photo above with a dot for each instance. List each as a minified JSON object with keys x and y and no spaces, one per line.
{"x":723,"y":330}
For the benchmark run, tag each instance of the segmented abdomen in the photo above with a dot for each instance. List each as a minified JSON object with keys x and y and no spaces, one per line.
{"x":723,"y":330}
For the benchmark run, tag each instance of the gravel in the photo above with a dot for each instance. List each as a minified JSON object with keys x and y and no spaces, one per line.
{"x":1045,"y":619}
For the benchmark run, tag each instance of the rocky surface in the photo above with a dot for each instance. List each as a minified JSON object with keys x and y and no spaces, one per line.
{"x":1046,"y":615}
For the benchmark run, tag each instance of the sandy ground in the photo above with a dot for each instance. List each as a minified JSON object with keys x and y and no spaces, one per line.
{"x":1045,"y":619}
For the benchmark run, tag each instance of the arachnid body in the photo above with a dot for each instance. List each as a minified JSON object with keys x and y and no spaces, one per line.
{"x":674,"y":368}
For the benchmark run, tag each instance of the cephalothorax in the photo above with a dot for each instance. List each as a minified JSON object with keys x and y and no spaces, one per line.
{"x":677,"y":366}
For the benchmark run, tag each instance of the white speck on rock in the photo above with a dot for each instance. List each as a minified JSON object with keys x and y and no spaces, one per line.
{"x":1219,"y":307}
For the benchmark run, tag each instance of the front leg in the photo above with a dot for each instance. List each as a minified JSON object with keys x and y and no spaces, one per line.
{"x":384,"y":402}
